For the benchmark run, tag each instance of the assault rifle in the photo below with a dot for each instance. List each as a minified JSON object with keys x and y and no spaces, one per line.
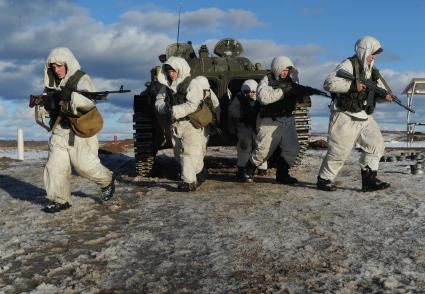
{"x":44,"y":98}
{"x":50,"y":101}
{"x":301,"y":90}
{"x":373,"y":88}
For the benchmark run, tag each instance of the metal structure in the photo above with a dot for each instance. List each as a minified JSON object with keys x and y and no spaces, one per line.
{"x":225,"y":71}
{"x":415,"y":87}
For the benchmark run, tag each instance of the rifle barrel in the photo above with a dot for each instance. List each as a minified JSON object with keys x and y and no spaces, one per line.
{"x":313,"y":91}
{"x":101,"y":95}
{"x":103,"y":92}
{"x":398,"y":101}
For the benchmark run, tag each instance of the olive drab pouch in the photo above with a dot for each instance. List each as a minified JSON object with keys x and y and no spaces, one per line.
{"x":86,"y":125}
{"x":204,"y":115}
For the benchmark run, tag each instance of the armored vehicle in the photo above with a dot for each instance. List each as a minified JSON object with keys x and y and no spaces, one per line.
{"x":226,"y":71}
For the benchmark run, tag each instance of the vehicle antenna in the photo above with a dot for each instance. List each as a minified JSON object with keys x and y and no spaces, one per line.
{"x":178,"y":26}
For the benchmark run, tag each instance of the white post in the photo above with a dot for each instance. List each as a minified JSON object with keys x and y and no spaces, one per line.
{"x":20,"y":144}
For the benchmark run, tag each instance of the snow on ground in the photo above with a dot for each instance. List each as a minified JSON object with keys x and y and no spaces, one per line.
{"x":28,"y":154}
{"x":227,"y":237}
{"x":398,"y":144}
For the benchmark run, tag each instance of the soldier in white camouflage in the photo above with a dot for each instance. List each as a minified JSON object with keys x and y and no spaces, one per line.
{"x":244,"y":110}
{"x":180,"y":96}
{"x":276,"y":125}
{"x":351,"y":122}
{"x":62,"y":74}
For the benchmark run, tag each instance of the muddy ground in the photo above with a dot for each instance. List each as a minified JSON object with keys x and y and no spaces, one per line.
{"x":227,"y":237}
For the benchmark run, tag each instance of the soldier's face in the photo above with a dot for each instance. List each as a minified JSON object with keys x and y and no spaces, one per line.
{"x":59,"y":70}
{"x":284,"y":73}
{"x":370,"y":59}
{"x":172,"y":74}
{"x":250,"y":94}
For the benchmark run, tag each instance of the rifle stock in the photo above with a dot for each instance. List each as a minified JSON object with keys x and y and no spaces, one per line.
{"x":372,"y":87}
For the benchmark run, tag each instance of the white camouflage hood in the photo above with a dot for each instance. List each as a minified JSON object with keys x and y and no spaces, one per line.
{"x":364,"y":47}
{"x":249,"y":85}
{"x":182,"y":68}
{"x":61,"y":55}
{"x":280,"y":63}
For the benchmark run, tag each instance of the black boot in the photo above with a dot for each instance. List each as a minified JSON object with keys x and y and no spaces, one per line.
{"x":201,"y":176}
{"x":282,"y":173}
{"x":240,"y":173}
{"x":54,"y":207}
{"x":248,"y":175}
{"x":370,"y":182}
{"x":108,"y":191}
{"x":187,"y":187}
{"x":325,"y":185}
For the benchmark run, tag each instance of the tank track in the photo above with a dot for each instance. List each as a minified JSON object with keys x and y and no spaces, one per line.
{"x":143,"y":137}
{"x":303,"y":126}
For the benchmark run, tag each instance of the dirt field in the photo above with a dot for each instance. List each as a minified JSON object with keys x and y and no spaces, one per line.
{"x":227,"y":237}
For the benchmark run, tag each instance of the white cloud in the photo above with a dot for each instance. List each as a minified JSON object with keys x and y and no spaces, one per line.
{"x":126,"y":118}
{"x":2,"y":111}
{"x":201,"y":20}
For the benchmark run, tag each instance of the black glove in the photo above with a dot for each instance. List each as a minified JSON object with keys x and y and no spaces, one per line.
{"x":293,"y":74}
{"x":169,"y":112}
{"x":298,"y":91}
{"x":51,"y":103}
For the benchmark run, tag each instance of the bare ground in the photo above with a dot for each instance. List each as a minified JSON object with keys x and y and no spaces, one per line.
{"x":227,"y":237}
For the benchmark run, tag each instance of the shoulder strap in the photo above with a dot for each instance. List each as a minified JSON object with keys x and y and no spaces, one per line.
{"x":270,"y":76}
{"x":74,"y":79}
{"x":71,"y":84}
{"x":182,"y":87}
{"x":356,"y":69}
{"x":378,"y":74}
{"x":272,"y":82}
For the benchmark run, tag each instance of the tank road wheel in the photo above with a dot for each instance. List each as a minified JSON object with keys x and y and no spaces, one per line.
{"x":143,"y":136}
{"x":303,"y":126}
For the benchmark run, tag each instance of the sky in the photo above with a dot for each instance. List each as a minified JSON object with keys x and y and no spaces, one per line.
{"x":117,"y":42}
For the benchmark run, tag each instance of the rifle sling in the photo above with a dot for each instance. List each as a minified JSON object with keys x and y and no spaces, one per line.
{"x":57,"y":121}
{"x":384,"y":82}
{"x":356,"y":66}
{"x":37,"y":117}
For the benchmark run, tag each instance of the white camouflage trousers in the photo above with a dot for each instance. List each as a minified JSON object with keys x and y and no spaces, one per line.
{"x":272,"y":133}
{"x":246,"y":143}
{"x":344,"y":133}
{"x":189,"y":149}
{"x":83,"y":156}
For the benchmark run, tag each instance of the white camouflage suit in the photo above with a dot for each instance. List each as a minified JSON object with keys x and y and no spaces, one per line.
{"x":348,"y":129}
{"x":189,"y":142}
{"x":246,"y":135}
{"x":83,"y":155}
{"x":279,"y":131}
